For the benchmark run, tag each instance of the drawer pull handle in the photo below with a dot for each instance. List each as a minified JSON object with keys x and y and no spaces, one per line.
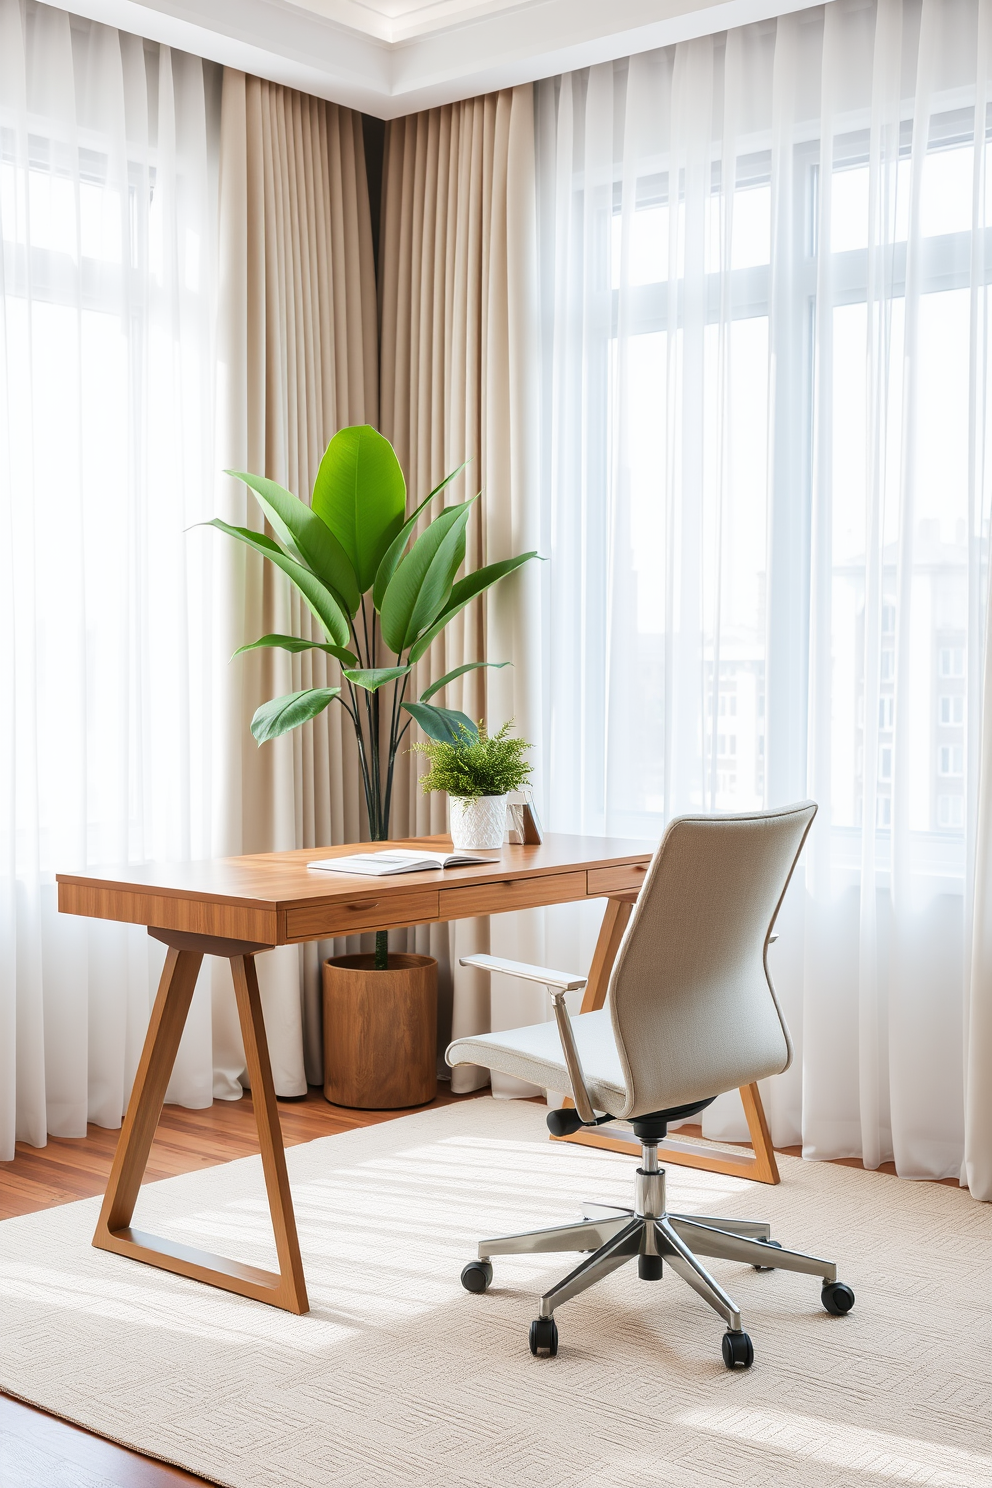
{"x":640,"y":867}
{"x":365,"y":904}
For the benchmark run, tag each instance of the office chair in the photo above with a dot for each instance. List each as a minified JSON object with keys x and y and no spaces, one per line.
{"x":691,"y":1012}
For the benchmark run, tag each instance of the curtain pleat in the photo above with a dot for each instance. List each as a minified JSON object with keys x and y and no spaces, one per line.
{"x":459,"y":362}
{"x":297,"y":360}
{"x":107,"y":291}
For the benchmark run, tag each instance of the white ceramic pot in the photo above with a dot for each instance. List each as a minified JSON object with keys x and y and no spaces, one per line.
{"x":477,"y":822}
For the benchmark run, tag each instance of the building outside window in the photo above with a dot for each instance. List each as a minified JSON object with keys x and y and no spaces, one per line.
{"x":733,"y":666}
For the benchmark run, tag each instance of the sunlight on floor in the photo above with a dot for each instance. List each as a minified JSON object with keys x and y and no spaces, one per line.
{"x":899,"y":1459}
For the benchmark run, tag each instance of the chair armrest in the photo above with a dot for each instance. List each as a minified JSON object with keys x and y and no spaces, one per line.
{"x":564,"y":981}
{"x":557,"y":983}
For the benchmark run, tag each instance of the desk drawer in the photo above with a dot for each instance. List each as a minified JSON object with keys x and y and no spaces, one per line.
{"x":366,"y":911}
{"x":616,"y":880}
{"x":511,"y":893}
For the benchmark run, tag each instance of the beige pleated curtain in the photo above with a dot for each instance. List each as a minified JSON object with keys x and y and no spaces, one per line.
{"x":297,"y":359}
{"x":459,"y":381}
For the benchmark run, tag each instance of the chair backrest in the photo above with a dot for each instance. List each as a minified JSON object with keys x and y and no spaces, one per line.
{"x":693,"y":1007}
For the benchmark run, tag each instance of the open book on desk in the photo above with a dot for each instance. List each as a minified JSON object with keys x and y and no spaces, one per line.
{"x":397,"y":860}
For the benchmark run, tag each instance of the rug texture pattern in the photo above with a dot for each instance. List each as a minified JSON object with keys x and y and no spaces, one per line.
{"x":398,"y":1377}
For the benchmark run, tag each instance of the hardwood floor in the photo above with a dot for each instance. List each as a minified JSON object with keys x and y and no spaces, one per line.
{"x":38,"y":1450}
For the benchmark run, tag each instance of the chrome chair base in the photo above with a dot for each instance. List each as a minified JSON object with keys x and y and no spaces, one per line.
{"x":656,"y":1237}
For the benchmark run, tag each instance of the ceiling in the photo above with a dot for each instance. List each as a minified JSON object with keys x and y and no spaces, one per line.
{"x":398,"y":20}
{"x":392,"y":57}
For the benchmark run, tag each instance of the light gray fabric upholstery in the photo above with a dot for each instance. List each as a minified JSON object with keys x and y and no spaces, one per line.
{"x":690,"y":1005}
{"x":534,"y":1054}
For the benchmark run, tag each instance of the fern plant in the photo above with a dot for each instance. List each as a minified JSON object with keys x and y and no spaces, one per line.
{"x":475,"y":764}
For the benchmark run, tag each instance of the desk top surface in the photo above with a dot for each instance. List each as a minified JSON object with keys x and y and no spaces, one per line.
{"x":283,"y":880}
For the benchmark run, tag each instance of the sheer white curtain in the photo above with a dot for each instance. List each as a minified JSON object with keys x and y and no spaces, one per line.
{"x":765,"y":266}
{"x":107,"y":216}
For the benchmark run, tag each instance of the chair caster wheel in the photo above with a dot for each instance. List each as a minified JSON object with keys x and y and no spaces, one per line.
{"x":544,"y":1337}
{"x":778,"y":1246}
{"x":837,"y":1298}
{"x":477,"y":1276}
{"x":738,"y":1352}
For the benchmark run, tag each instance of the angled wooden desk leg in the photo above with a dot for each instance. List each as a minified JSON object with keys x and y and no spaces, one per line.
{"x":292,"y":1287}
{"x":287,"y":1289}
{"x":761,"y":1168}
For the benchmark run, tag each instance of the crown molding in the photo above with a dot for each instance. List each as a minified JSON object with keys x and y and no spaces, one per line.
{"x":434,"y":61}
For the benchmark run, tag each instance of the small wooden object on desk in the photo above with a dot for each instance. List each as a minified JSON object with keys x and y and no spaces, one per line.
{"x":522,"y":821}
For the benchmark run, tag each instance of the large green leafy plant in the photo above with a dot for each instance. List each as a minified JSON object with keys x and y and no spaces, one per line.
{"x":380,"y":595}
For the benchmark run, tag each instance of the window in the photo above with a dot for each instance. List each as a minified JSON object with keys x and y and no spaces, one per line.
{"x":644,"y":298}
{"x":951,"y":759}
{"x":883,"y":811}
{"x":950,"y":811}
{"x":952,"y":711}
{"x":106,"y":304}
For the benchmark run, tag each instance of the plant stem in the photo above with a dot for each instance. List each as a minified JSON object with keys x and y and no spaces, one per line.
{"x":382,"y":950}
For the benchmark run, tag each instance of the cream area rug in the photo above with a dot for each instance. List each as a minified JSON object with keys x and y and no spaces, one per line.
{"x":399,"y":1377}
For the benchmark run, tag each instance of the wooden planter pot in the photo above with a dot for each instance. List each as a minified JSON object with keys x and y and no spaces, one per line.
{"x":380,"y":1031}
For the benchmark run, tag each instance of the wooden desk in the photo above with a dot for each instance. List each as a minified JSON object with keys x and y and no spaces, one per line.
{"x":237,"y":907}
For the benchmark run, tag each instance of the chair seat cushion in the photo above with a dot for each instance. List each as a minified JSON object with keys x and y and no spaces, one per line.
{"x":534,"y":1053}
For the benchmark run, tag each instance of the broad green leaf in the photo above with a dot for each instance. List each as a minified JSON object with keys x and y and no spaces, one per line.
{"x":320,"y":600}
{"x":285,"y":713}
{"x":393,"y":555}
{"x":443,"y":723}
{"x":293,"y":643}
{"x":376,"y":677}
{"x":394,"y":552}
{"x":307,"y":537}
{"x":360,"y":494}
{"x":420,"y":587}
{"x":457,"y":558}
{"x":463,"y":593}
{"x":470,"y":666}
